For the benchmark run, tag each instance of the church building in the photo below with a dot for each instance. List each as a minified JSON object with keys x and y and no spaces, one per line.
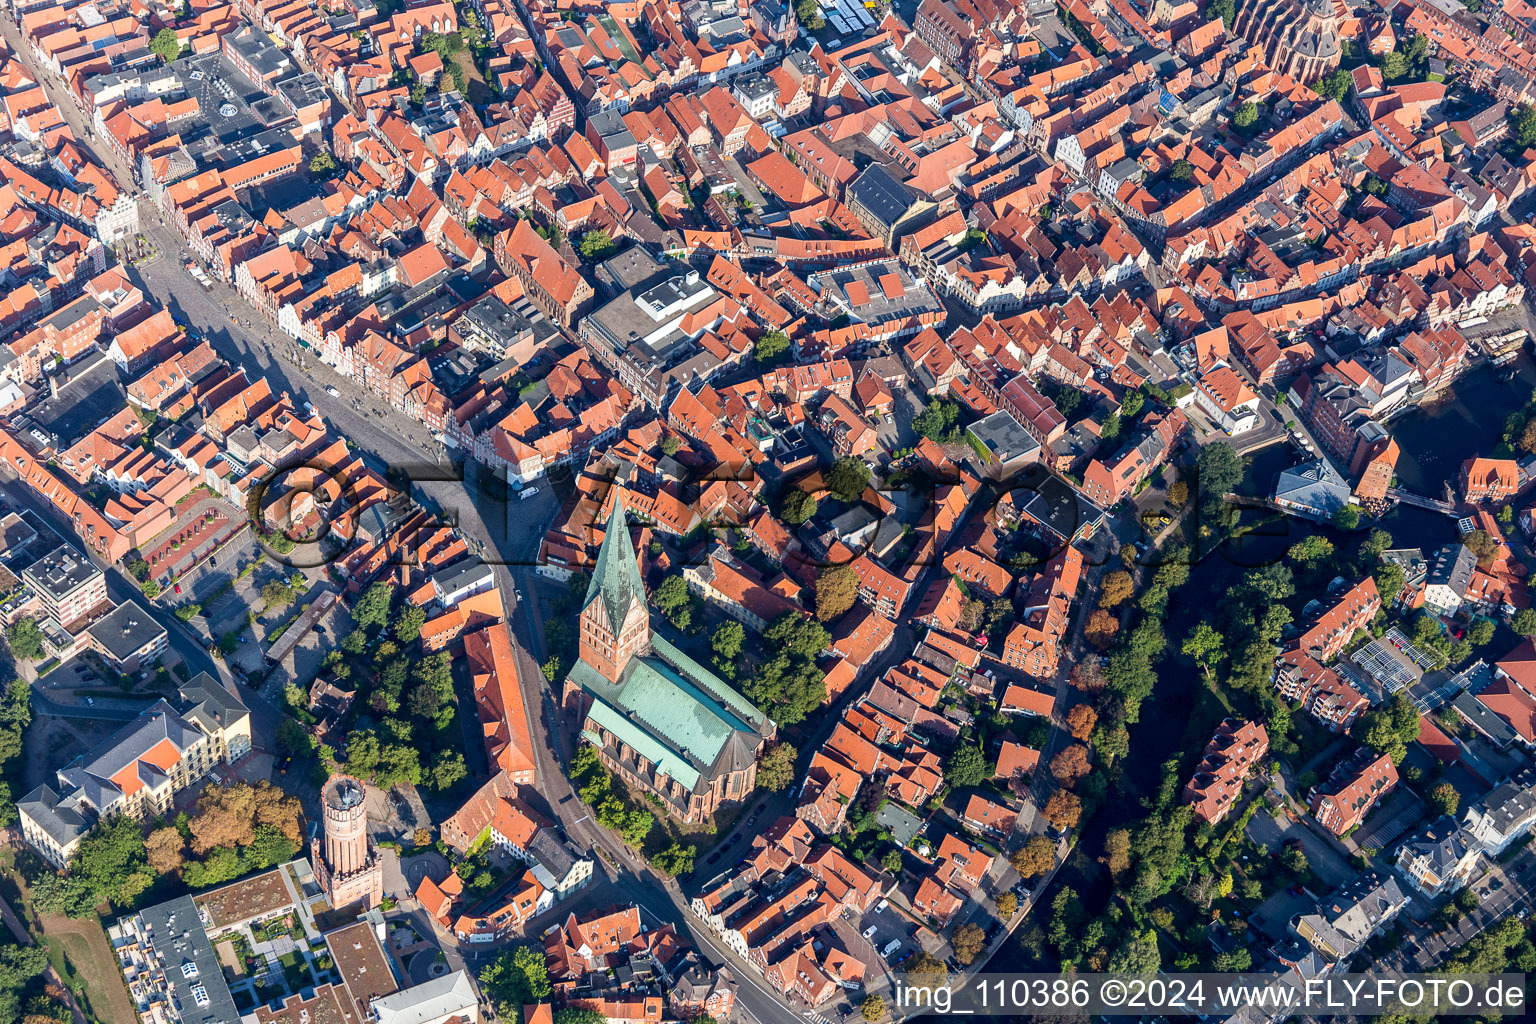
{"x":658,"y":719}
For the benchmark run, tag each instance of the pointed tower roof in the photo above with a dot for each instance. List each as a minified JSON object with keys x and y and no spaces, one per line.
{"x":616,"y":578}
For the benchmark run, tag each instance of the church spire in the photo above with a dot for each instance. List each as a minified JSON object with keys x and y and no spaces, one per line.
{"x":616,"y":577}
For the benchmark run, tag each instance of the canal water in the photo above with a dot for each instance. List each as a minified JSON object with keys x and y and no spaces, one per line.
{"x":1434,"y":441}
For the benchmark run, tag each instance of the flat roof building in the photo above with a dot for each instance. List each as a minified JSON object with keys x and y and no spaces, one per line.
{"x":129,"y":637}
{"x":71,"y":587}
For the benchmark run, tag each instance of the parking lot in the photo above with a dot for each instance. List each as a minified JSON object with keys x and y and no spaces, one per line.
{"x":303,"y":664}
{"x":888,"y":932}
{"x":1331,"y":867}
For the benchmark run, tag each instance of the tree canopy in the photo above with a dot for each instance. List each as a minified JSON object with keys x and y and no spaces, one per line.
{"x":26,"y":639}
{"x":372,"y":608}
{"x":847,"y":478}
{"x":776,"y":768}
{"x":837,"y":588}
{"x":166,"y":45}
{"x":771,"y":348}
{"x":965,"y":766}
{"x":597,"y":245}
{"x":1389,"y":728}
{"x":939,"y":421}
{"x":789,"y":686}
{"x":1522,"y":124}
{"x":517,"y":977}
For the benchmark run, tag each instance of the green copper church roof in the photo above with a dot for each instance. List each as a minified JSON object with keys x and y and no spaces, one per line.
{"x":676,"y":714}
{"x":616,"y":577}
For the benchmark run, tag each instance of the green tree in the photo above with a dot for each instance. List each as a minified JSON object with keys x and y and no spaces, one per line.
{"x":872,"y":1008}
{"x":789,"y":685}
{"x":1480,"y":633}
{"x":1524,"y":622}
{"x":138,"y":569}
{"x":1220,"y":468}
{"x":1334,"y":86}
{"x":1390,"y":579}
{"x":1377,"y":541}
{"x":111,"y":862}
{"x":63,"y":895}
{"x":292,"y":737}
{"x":1444,"y":799}
{"x":637,"y":825}
{"x":19,"y":967}
{"x":1395,"y":67}
{"x":1205,"y":646}
{"x":166,"y":45}
{"x":847,"y":479}
{"x":965,"y":766}
{"x":448,"y":769}
{"x":797,"y":506}
{"x":1389,"y":728}
{"x":1347,"y":517}
{"x":776,"y":767}
{"x":516,"y":978}
{"x":809,"y":13}
{"x":676,"y":859}
{"x":1295,"y":860}
{"x":277,"y":595}
{"x":26,"y":639}
{"x":1226,"y":10}
{"x":1137,"y":954}
{"x":939,"y":421}
{"x":408,"y":625}
{"x":1182,"y":171}
{"x":596,"y":245}
{"x":372,"y":609}
{"x":891,"y":861}
{"x":1232,"y":961}
{"x":771,"y":348}
{"x":577,"y":1015}
{"x":322,"y":165}
{"x":1311,"y":551}
{"x":837,"y":588}
{"x":1522,"y":123}
{"x":1246,"y":115}
{"x":363,"y":754}
{"x":268,"y":847}
{"x":398,"y":762}
{"x":728,"y":640}
{"x":673,"y":600}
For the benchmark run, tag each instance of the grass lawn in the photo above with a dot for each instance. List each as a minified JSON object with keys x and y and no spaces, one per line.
{"x":80,"y":953}
{"x":475,"y":89}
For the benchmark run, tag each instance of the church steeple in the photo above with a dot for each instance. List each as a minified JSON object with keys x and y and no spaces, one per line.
{"x":614,"y":623}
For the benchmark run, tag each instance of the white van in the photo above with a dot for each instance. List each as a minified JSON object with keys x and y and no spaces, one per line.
{"x":524,"y":495}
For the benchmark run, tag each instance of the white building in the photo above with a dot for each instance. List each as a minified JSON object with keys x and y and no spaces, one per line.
{"x":1228,"y":400}
{"x":1503,"y":816}
{"x":432,"y":1002}
{"x":1440,"y":859}
{"x":138,"y":769}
